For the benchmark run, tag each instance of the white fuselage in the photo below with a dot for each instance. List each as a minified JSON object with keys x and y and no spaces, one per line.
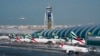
{"x":76,"y":42}
{"x":44,"y":40}
{"x":40,"y":40}
{"x":25,"y":40}
{"x":4,"y":37}
{"x":21,"y":40}
{"x":68,"y":48}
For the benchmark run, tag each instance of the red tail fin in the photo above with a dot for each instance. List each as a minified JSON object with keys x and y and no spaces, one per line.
{"x":78,"y":39}
{"x":33,"y":39}
{"x":18,"y":39}
{"x":62,"y":44}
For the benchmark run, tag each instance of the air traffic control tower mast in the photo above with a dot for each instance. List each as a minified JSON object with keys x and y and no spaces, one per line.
{"x":48,"y":20}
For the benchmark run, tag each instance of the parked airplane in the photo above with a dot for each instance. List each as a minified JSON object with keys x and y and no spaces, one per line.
{"x":74,"y":39}
{"x":45,"y":40}
{"x":28,"y":39}
{"x":70,"y":49}
{"x":24,"y":38}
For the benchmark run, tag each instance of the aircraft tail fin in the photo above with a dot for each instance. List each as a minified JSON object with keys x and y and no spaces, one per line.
{"x":62,"y":44}
{"x":13,"y":35}
{"x":27,"y":36}
{"x":74,"y":36}
{"x":18,"y":39}
{"x":33,"y":40}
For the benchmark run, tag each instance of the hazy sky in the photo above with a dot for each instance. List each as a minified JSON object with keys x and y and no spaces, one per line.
{"x":65,"y":12}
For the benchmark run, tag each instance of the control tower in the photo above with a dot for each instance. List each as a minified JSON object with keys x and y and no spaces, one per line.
{"x":48,"y":20}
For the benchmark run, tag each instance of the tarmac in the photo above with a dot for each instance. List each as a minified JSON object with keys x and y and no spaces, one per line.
{"x":8,"y":49}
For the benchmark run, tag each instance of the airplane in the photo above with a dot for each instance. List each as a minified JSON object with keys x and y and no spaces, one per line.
{"x":70,"y":49}
{"x":22,"y":18}
{"x":21,"y":39}
{"x":45,"y":40}
{"x":25,"y":38}
{"x":39,"y":40}
{"x":74,"y":39}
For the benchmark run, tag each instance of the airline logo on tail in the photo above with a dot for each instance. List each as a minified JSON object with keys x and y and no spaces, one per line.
{"x":74,"y":36}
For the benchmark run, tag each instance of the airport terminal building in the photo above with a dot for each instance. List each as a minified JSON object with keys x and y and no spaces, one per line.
{"x":81,"y":31}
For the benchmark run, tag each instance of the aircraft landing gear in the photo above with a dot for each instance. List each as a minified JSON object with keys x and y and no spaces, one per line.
{"x":49,"y":44}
